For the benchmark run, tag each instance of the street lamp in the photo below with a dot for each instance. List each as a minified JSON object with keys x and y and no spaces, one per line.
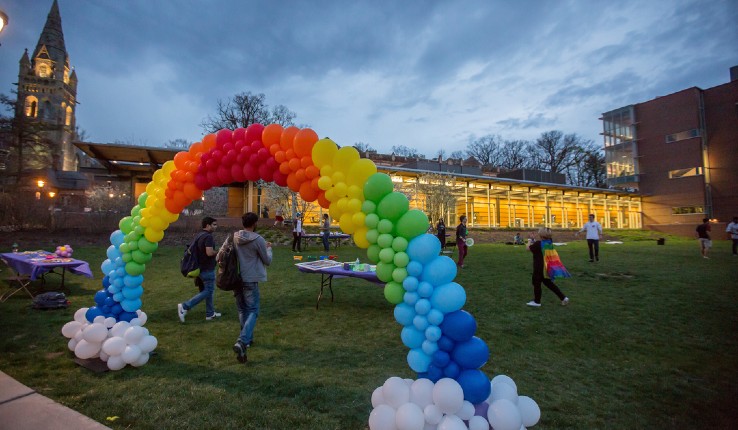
{"x":40,"y":184}
{"x":3,"y":20}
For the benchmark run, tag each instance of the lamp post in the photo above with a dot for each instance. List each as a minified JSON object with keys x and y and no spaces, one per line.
{"x":40,"y":183}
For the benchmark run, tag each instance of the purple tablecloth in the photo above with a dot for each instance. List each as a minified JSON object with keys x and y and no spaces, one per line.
{"x":35,"y":264}
{"x":338,"y":271}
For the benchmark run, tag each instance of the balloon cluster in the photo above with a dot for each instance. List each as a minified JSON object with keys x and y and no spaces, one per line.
{"x":64,"y":251}
{"x":405,"y":404}
{"x":116,"y":343}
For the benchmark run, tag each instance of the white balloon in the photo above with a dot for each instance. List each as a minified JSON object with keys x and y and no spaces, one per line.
{"x":421,"y":392}
{"x":133,"y":335}
{"x":448,"y":396}
{"x":503,"y":391}
{"x":71,"y":328}
{"x":430,"y":427}
{"x":433,"y":415}
{"x":85,"y":349}
{"x":505,"y":380}
{"x":136,"y":322}
{"x":96,"y":332}
{"x":409,"y":417}
{"x":142,"y":359}
{"x":466,"y":411}
{"x":99,"y":319}
{"x":148,"y":343}
{"x":452,"y":422}
{"x":114,"y":346}
{"x":119,"y":328}
{"x":131,"y":354}
{"x":116,"y":363}
{"x":478,"y":423}
{"x":529,"y":411}
{"x":104,"y":356}
{"x":79,"y":316}
{"x":142,"y":316}
{"x":80,"y":334}
{"x":396,"y":392}
{"x":109,"y":322}
{"x":72,"y":344}
{"x":504,"y":415}
{"x":377,"y":397}
{"x":382,"y":418}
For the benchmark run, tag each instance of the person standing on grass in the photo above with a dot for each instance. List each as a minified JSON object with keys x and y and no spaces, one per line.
{"x":441,"y":232}
{"x":254,"y":254}
{"x":461,"y":240}
{"x":594,"y":234}
{"x":204,"y":249}
{"x":733,"y":231}
{"x":703,"y":235}
{"x":326,"y":229}
{"x":545,"y":269}
{"x":296,"y":232}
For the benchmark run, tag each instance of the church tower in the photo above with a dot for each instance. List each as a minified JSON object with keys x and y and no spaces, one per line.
{"x":47,"y":93}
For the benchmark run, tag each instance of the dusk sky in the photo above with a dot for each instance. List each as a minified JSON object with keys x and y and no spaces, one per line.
{"x":423,"y":74}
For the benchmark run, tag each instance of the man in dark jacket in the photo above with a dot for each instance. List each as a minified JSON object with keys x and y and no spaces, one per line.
{"x":205,"y":250}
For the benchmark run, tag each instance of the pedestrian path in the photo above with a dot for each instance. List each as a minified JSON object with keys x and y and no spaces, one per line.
{"x":21,"y":408}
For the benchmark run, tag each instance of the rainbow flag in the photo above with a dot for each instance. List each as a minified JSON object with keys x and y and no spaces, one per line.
{"x":552,"y":266}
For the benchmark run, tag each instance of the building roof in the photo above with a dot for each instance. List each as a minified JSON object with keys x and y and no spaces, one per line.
{"x":52,"y":38}
{"x":118,"y":157}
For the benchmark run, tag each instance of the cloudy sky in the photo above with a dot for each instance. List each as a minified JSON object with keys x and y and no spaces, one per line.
{"x":425,"y":74}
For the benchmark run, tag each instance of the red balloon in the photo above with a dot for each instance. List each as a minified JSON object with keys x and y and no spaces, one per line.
{"x":322,"y":201}
{"x":265,"y":173}
{"x":212,"y":165}
{"x":222,"y":137}
{"x":205,"y":157}
{"x":280,"y":178}
{"x":217,"y":155}
{"x":254,"y":132}
{"x":251,"y":172}
{"x":230,"y":157}
{"x":168,"y":193}
{"x":228,"y":147}
{"x":237,"y":173}
{"x":272,"y":163}
{"x":238,"y":145}
{"x":201,"y":181}
{"x":256,"y":145}
{"x":238,"y":134}
{"x":241,"y":159}
{"x":254,"y":159}
{"x":213,"y":179}
{"x":263,"y":154}
{"x":224,"y":174}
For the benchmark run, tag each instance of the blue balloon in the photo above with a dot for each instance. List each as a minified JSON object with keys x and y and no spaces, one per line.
{"x":411,"y":298}
{"x":411,"y":337}
{"x":435,"y":317}
{"x":441,"y":270}
{"x":132,"y":281}
{"x":132,"y":293}
{"x":131,"y":305}
{"x":471,"y":354}
{"x":448,"y":297}
{"x":109,"y":301}
{"x":113,"y":289}
{"x":106,"y":281}
{"x":107,"y":266}
{"x":93,"y":313}
{"x":425,"y":289}
{"x":421,"y":323}
{"x":434,"y":373}
{"x":116,"y":309}
{"x":410,"y":283}
{"x":127,"y":316}
{"x":120,"y":272}
{"x":475,"y":385}
{"x":423,"y":248}
{"x":446,"y":344}
{"x":433,"y":333}
{"x":451,"y":370}
{"x":441,"y":359}
{"x":404,"y":314}
{"x":418,"y":360}
{"x":117,"y":237}
{"x":100,"y":297}
{"x":117,"y":282}
{"x":118,"y":297}
{"x":414,"y":268}
{"x":429,"y":347}
{"x":106,"y":311}
{"x":423,"y":306}
{"x":459,"y":325}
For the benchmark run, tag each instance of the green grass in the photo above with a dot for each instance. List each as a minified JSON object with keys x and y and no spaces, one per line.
{"x":649,"y":341}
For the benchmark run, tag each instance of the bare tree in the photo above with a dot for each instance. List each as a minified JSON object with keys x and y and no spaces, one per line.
{"x":514,"y":154}
{"x":557,"y":152}
{"x":459,"y":154}
{"x":363,"y":147}
{"x":404,"y":151}
{"x":245,"y":109}
{"x":178,"y":144}
{"x":438,"y":191}
{"x":486,"y":150}
{"x":589,"y":168}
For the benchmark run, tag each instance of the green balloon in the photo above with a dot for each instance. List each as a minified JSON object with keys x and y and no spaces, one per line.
{"x":135,"y":269}
{"x":393,"y":206}
{"x":384,"y":271}
{"x":394,"y":293}
{"x":371,"y":221}
{"x":377,"y":186}
{"x":140,"y":257}
{"x":412,"y":224}
{"x":136,"y":221}
{"x":372,"y":253}
{"x":399,"y":274}
{"x":401,"y":259}
{"x":138,"y":231}
{"x":368,"y":207}
{"x":385,"y":241}
{"x":372,"y":235}
{"x":126,"y":256}
{"x":132,"y":245}
{"x":136,"y":209}
{"x":387,"y":255}
{"x":385,"y":226}
{"x":148,"y":247}
{"x":126,"y":224}
{"x":123,"y":248}
{"x":142,"y":199}
{"x":399,"y":244}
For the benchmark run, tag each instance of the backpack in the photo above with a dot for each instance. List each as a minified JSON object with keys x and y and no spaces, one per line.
{"x":228,"y":274}
{"x":50,"y":300}
{"x":190,"y":265}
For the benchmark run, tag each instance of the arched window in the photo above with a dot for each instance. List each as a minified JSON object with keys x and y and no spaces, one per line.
{"x":48,"y":112}
{"x":31,"y":106}
{"x":68,"y":118}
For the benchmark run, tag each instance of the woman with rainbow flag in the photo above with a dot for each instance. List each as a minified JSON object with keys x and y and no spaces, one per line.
{"x":546,"y":267}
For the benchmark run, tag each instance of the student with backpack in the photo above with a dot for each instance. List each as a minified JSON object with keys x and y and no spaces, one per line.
{"x":254,"y":254}
{"x":203,"y":248}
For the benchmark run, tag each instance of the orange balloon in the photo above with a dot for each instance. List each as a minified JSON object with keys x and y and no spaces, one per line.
{"x":196,"y":147}
{"x":179,"y":175}
{"x":322,"y":201}
{"x":306,"y":161}
{"x":280,"y":156}
{"x":172,"y":207}
{"x":208,"y":143}
{"x":314,"y":183}
{"x":271,"y":135}
{"x":307,"y":192}
{"x":304,"y":141}
{"x":312,"y":172}
{"x":288,"y":137}
{"x":293,"y":183}
{"x":290,"y":154}
{"x":273,"y":149}
{"x":181,"y":158}
{"x":294,"y":164}
{"x":300,"y":175}
{"x":284,"y":168}
{"x":191,"y":191}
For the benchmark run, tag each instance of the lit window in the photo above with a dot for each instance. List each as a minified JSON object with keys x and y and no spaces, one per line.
{"x":31,"y":106}
{"x":689,"y":134}
{"x":683,"y":173}
{"x":68,"y":119}
{"x":687,"y":210}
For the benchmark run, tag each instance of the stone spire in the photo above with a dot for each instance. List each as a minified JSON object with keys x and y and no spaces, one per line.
{"x":51,"y":42}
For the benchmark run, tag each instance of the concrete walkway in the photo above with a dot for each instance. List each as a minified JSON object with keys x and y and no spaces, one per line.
{"x":21,"y":408}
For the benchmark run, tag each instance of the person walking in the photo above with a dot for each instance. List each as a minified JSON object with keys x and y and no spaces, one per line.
{"x":703,"y":235}
{"x":254,"y":254}
{"x":732,"y":229}
{"x":204,"y":248}
{"x":325,"y":228}
{"x":461,"y":240}
{"x":441,"y":232}
{"x":594,"y":234}
{"x":297,"y":232}
{"x":545,"y":269}
{"x":278,"y":218}
{"x":265,"y":212}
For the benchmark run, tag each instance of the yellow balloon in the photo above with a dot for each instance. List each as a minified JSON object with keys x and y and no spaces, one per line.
{"x":158,"y":223}
{"x":326,"y":170}
{"x":358,"y":218}
{"x":168,"y":216}
{"x":338,"y":177}
{"x":334,"y":212}
{"x":360,"y":238}
{"x":355,"y":192}
{"x":168,"y":168}
{"x":361,"y":170}
{"x":342,"y":204}
{"x":330,"y":195}
{"x":354,"y":205}
{"x":156,"y":178}
{"x":325,"y":183}
{"x":346,"y":223}
{"x":323,"y":152}
{"x":339,"y":189}
{"x":145,"y":218}
{"x":344,"y":158}
{"x":153,"y":235}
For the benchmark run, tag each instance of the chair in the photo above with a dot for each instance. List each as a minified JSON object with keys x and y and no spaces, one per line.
{"x":17,"y":283}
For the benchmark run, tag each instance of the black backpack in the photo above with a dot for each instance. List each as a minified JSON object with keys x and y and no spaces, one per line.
{"x":50,"y":300}
{"x":228,"y":274}
{"x":189,"y":265}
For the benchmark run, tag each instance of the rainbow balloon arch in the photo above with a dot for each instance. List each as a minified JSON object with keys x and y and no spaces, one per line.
{"x":451,"y":391}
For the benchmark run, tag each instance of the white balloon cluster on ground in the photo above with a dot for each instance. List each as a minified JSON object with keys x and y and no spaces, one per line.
{"x":116,"y":343}
{"x":406,"y":404}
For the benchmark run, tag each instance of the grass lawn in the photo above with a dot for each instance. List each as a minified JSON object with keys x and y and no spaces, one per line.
{"x":648,"y":341}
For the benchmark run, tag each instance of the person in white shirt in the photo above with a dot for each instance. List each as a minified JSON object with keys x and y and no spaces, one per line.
{"x":594,"y":234}
{"x":733,"y":230}
{"x":297,"y":233}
